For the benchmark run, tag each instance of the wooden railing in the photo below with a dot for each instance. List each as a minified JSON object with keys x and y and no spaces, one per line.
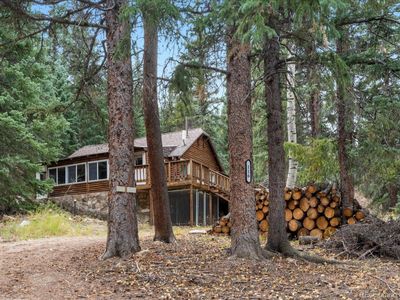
{"x":187,"y":172}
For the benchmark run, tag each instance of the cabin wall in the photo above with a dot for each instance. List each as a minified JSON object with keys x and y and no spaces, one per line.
{"x":202,"y":152}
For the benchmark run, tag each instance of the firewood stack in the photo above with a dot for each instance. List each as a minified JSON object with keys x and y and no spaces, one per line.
{"x":312,"y":210}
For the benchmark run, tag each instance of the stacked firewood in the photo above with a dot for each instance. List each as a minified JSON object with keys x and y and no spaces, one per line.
{"x":312,"y":210}
{"x":223,"y":225}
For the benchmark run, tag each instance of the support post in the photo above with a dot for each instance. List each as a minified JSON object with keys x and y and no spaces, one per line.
{"x":191,"y":206}
{"x":210,"y":208}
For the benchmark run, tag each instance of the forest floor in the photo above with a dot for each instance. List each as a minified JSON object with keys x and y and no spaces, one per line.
{"x":197,"y":267}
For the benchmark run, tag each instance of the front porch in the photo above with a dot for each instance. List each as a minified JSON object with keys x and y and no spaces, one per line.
{"x":193,"y":181}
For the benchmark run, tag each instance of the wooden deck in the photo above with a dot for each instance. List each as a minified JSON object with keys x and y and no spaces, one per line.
{"x":187,"y":173}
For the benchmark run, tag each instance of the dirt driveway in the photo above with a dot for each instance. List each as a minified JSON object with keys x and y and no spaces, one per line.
{"x":197,"y":267}
{"x":41,"y":269}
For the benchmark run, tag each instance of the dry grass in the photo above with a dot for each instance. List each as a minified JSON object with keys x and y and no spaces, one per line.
{"x":49,"y":221}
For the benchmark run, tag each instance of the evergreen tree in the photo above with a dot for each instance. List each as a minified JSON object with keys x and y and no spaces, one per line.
{"x":31,"y":130}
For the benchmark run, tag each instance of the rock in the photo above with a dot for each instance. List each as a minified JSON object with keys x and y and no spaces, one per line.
{"x":24,"y":223}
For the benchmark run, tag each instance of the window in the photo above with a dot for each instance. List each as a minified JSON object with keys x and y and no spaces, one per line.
{"x":93,"y":171}
{"x":139,"y":160}
{"x":71,"y":174}
{"x":61,"y":175}
{"x":98,"y":170}
{"x":102,"y":170}
{"x":81,"y":173}
{"x":42,"y":176}
{"x":68,"y":174}
{"x":53,"y":174}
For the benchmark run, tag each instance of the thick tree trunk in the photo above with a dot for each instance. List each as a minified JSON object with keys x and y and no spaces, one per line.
{"x":277,"y":237}
{"x":345,"y":125}
{"x":393,"y":191}
{"x":291,"y":123}
{"x":159,"y":190}
{"x":122,"y":239}
{"x":244,"y":235}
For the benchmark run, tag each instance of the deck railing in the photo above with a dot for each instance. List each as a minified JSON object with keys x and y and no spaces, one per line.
{"x":182,"y":172}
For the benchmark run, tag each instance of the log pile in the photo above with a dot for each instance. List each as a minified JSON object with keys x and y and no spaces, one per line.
{"x":310,"y":211}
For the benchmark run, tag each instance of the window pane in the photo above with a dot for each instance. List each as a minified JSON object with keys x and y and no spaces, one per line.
{"x":61,"y":175}
{"x":53,"y":174}
{"x":92,"y":171}
{"x":139,"y":161}
{"x":103,"y":170}
{"x":81,"y":173}
{"x":71,"y":174}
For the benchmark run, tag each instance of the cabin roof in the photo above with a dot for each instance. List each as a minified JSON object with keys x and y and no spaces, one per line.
{"x":173,"y":145}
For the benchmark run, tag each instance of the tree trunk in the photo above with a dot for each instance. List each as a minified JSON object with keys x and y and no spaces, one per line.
{"x":393,"y":191}
{"x":244,"y":235}
{"x":291,"y":123}
{"x":344,"y":109}
{"x":159,"y":190}
{"x":277,"y":237}
{"x":122,"y":239}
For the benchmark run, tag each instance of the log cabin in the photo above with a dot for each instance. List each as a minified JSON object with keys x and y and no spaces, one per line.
{"x":198,"y":187}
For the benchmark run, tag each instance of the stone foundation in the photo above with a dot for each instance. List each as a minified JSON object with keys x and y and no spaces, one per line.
{"x":95,"y":205}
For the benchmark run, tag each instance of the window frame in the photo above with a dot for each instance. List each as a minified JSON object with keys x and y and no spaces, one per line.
{"x":86,"y":164}
{"x":97,"y":163}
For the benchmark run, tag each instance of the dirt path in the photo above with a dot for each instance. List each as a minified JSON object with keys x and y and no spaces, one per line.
{"x":41,"y":269}
{"x":195,"y":268}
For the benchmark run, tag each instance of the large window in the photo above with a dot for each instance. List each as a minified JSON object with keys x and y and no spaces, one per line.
{"x":81,"y":173}
{"x":61,"y":175}
{"x":98,"y":170}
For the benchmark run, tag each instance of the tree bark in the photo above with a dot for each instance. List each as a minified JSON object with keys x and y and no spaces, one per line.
{"x":244,"y":231}
{"x":159,"y":190}
{"x":393,"y":191}
{"x":345,"y":124}
{"x":291,"y":123}
{"x":122,"y":239}
{"x":277,"y":237}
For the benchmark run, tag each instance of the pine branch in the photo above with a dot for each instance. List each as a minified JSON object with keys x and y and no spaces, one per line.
{"x":204,"y":67}
{"x":26,"y":36}
{"x":367,"y":20}
{"x":59,"y":20}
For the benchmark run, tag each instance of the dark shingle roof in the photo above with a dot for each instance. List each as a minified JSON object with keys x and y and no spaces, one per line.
{"x":172,"y":142}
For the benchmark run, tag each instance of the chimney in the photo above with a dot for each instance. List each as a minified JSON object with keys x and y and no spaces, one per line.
{"x":184,"y":137}
{"x":185,"y":132}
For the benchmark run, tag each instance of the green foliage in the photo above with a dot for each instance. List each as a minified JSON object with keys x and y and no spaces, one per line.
{"x":47,"y":221}
{"x":31,"y":130}
{"x":160,"y":12}
{"x":318,"y":160}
